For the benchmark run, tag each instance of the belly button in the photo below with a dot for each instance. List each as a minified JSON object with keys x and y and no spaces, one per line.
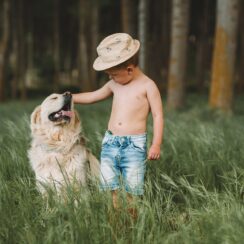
{"x":120,"y":123}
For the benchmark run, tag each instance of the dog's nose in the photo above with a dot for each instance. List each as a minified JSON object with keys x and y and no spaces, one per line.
{"x":67,"y":94}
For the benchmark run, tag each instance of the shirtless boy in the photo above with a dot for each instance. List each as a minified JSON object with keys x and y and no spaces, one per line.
{"x":124,"y":147}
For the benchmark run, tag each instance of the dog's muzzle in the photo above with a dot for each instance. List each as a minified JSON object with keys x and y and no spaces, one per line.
{"x":65,"y":112}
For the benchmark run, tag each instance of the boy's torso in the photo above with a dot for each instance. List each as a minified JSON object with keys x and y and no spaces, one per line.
{"x":130,"y":108}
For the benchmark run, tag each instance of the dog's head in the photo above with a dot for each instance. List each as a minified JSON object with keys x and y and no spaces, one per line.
{"x":55,"y":120}
{"x":57,"y":109}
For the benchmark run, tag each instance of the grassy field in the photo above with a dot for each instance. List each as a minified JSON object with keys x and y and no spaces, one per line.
{"x":194,"y":193}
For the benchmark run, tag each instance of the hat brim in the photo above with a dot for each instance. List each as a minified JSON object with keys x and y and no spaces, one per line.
{"x":100,"y":65}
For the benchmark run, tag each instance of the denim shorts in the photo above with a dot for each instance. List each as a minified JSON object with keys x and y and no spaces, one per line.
{"x":123,"y":157}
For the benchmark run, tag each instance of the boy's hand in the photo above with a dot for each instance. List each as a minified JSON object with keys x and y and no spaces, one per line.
{"x":154,"y":152}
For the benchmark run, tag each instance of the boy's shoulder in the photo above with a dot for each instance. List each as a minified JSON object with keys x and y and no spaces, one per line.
{"x":148,"y":82}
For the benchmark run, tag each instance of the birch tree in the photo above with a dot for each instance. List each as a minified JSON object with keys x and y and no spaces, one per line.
{"x":178,"y":50}
{"x":221,"y":91}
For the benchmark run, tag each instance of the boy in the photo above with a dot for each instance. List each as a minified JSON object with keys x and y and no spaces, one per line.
{"x":134,"y":95}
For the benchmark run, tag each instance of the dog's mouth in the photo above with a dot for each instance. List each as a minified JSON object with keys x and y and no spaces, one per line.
{"x":64,"y":113}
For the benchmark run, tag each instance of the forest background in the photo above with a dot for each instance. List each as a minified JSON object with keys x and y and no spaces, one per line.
{"x":186,"y":46}
{"x":194,"y":50}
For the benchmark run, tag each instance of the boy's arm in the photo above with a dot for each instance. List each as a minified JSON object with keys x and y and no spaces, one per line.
{"x":92,"y":97}
{"x":156,"y":106}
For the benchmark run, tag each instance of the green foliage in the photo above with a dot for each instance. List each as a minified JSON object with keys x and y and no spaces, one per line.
{"x":194,"y":194}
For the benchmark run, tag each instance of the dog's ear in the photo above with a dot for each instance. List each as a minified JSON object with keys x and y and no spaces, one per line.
{"x":35,"y":118}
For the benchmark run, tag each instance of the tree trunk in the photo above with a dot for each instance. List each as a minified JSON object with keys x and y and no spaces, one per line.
{"x":142,"y":29}
{"x":94,"y":40}
{"x":4,"y":45}
{"x":221,"y":92}
{"x":83,"y":49}
{"x":202,"y":45}
{"x":14,"y":60}
{"x":159,"y":24}
{"x":30,"y":59}
{"x":21,"y":59}
{"x":56,"y":45}
{"x":178,"y":51}
{"x":165,"y":37}
{"x":240,"y":83}
{"x":127,"y":16}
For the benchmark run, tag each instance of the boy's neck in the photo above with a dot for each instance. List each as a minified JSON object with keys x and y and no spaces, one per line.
{"x":136,"y":73}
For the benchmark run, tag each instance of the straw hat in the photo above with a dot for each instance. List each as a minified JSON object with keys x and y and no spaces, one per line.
{"x":115,"y":49}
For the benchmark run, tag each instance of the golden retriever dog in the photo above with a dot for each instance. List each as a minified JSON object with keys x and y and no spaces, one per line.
{"x":58,"y":154}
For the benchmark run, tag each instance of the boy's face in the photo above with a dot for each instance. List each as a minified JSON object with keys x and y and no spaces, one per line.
{"x":121,"y":76}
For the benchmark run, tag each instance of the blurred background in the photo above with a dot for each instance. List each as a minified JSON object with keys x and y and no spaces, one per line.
{"x":187,"y":46}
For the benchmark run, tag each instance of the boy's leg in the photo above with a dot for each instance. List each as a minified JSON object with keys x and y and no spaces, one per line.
{"x":133,"y":170}
{"x":132,"y":210}
{"x":115,"y":199}
{"x":130,"y":201}
{"x":109,"y":170}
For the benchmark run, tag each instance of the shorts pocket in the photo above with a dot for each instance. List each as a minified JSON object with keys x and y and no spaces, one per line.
{"x":105,"y":141}
{"x":139,"y":145}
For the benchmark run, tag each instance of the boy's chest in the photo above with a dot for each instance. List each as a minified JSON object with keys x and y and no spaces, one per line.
{"x":130,"y":96}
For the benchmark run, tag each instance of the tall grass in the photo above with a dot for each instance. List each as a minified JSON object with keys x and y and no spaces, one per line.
{"x":193,"y":194}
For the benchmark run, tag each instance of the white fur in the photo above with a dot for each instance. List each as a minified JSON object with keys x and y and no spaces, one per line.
{"x":58,"y":154}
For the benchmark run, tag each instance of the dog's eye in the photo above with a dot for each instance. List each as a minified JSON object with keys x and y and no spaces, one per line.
{"x":53,"y":98}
